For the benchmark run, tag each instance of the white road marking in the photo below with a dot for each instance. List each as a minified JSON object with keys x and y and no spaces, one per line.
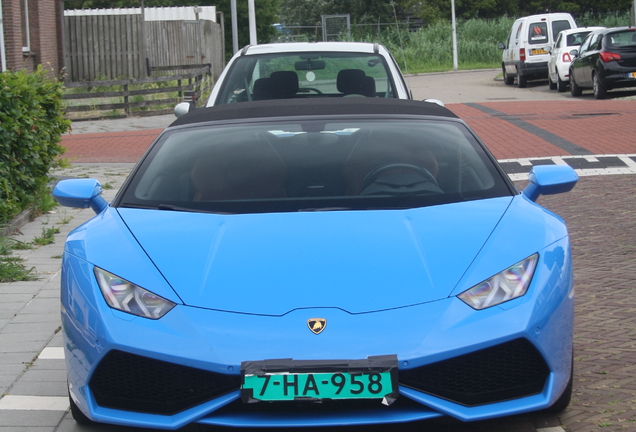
{"x":52,"y":353}
{"x":34,"y":403}
{"x":561,"y":160}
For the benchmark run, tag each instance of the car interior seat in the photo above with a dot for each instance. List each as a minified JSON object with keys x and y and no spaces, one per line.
{"x":262,"y":89}
{"x":279,"y":85}
{"x":355,"y":82}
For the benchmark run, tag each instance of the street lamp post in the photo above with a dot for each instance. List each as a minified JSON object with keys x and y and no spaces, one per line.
{"x":252,"y":19}
{"x":454,"y":25}
{"x":234,"y":27}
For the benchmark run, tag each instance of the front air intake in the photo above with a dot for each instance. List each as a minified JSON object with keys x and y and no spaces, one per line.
{"x":511,"y":370}
{"x":131,"y":382}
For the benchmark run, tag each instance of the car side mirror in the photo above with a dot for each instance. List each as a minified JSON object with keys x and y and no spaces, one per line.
{"x":182,"y":109}
{"x":574,"y":53}
{"x":550,"y":180}
{"x":548,"y":49}
{"x":80,"y":193}
{"x":501,"y":45}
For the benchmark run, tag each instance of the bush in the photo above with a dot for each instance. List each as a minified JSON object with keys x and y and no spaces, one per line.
{"x":430,"y":48}
{"x":616,"y":19}
{"x":31,"y":123}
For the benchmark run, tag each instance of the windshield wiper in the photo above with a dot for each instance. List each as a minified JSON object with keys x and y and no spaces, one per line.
{"x":189,"y":210}
{"x":171,"y":207}
{"x":317,"y":209}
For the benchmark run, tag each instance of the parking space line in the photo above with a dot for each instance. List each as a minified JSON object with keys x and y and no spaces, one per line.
{"x":52,"y":353}
{"x":34,"y":403}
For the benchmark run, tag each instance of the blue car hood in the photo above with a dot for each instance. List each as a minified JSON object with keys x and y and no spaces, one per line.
{"x":358,"y":261}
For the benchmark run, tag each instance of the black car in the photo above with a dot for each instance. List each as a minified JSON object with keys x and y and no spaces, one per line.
{"x":606,"y":61}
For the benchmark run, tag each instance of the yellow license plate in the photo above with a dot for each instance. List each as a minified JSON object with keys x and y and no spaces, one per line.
{"x":538,"y":51}
{"x":632,"y":74}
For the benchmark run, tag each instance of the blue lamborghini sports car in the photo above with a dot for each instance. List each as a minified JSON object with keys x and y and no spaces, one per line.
{"x":334,"y":261}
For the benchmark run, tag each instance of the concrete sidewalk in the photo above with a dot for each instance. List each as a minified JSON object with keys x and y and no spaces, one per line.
{"x":32,"y":368}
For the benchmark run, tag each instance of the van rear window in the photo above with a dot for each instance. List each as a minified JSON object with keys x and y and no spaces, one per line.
{"x":538,"y":33}
{"x":559,"y":26}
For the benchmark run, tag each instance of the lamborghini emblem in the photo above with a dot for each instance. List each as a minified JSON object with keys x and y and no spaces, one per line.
{"x":316,"y":325}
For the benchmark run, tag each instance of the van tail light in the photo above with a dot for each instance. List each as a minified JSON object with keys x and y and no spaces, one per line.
{"x":522,"y":54}
{"x":607,"y":56}
{"x":567,"y":58}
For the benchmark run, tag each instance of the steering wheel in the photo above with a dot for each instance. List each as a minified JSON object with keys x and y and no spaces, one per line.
{"x":376,"y":173}
{"x":308,"y":89}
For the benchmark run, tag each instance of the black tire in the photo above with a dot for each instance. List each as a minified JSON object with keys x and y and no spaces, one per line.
{"x":564,"y":400}
{"x":561,"y":86}
{"x":575,"y":90}
{"x":600,"y":91}
{"x":551,"y":84}
{"x":508,"y":80}
{"x":78,"y":415}
{"x":522,"y":81}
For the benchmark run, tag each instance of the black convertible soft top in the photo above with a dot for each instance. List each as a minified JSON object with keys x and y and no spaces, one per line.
{"x":314,"y":106}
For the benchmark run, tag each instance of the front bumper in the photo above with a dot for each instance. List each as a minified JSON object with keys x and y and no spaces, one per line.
{"x":430,"y":335}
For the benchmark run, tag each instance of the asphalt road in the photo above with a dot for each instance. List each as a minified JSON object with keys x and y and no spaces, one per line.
{"x":487,"y":86}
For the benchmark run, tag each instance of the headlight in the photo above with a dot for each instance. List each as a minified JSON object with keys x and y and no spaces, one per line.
{"x":127,"y":297}
{"x":509,"y":284}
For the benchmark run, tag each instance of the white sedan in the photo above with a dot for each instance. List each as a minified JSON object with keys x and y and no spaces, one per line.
{"x":302,"y":70}
{"x":560,"y":57}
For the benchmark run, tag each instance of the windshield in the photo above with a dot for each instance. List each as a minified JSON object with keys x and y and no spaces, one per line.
{"x":310,"y":165}
{"x":313,"y":74}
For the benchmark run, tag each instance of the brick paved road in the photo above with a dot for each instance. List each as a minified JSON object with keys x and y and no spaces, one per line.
{"x":510,"y":129}
{"x":601,"y":217}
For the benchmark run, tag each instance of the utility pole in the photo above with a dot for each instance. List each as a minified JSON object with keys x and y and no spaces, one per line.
{"x":142,"y":30}
{"x":454,"y":25}
{"x":234,"y":27}
{"x":252,"y":18}
{"x":3,"y":59}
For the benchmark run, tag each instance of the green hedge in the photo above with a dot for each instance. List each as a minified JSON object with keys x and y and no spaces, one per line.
{"x":31,"y":123}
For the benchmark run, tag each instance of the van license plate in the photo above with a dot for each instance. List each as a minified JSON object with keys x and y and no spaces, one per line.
{"x":632,"y":75}
{"x":538,"y":51}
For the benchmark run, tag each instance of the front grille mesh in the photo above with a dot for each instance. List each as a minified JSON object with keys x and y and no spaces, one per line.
{"x":134,"y":383}
{"x":508,"y":371}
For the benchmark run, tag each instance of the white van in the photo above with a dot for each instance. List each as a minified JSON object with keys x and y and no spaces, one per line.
{"x":524,"y":54}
